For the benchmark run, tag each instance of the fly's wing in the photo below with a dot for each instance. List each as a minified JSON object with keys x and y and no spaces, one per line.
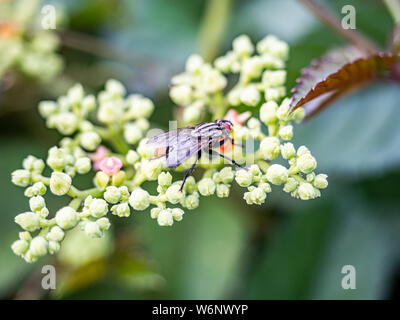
{"x":168,"y":139}
{"x":184,"y":147}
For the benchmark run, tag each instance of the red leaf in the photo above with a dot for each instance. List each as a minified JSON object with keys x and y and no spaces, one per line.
{"x":335,"y":74}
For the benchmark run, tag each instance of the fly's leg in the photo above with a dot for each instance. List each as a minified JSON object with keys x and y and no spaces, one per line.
{"x":190,"y":170}
{"x":213,"y":152}
{"x":232,"y":140}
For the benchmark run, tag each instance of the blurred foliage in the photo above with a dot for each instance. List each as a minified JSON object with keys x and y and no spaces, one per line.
{"x":287,"y":249}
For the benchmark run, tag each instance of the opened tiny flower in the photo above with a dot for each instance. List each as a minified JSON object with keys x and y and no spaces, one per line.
{"x":110,"y":165}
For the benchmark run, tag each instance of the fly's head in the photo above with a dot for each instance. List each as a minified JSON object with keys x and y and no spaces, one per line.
{"x":224,"y":124}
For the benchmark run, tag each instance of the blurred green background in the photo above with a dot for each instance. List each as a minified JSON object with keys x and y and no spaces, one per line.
{"x":285,"y":249}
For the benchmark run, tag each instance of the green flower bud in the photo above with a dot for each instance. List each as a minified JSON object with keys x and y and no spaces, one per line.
{"x":286,"y":132}
{"x":30,"y":257}
{"x":321,"y":181}
{"x":60,"y":183}
{"x":191,"y":201}
{"x":56,"y":158}
{"x":306,"y":163}
{"x":244,"y":178}
{"x":47,"y":108}
{"x":90,"y":140}
{"x":101,"y":180}
{"x":132,"y":157}
{"x":103,"y":223}
{"x":98,"y":208}
{"x":283,"y":110}
{"x":242,"y":46}
{"x":37,"y":203}
{"x":92,"y":229}
{"x":206,"y":187}
{"x":270,"y":148}
{"x":53,"y":247}
{"x":174,"y":195}
{"x":290,"y":185}
{"x":28,"y":221}
{"x":307,"y":191}
{"x":255,"y":170}
{"x":226,"y":175}
{"x":154,"y":212}
{"x":112,"y":194}
{"x":255,"y":196}
{"x":124,"y":193}
{"x":56,"y":234}
{"x":222,"y":190}
{"x":25,"y":235}
{"x":250,"y":96}
{"x":132,"y":133}
{"x":83,"y":165}
{"x":164,"y":179}
{"x":277,"y":174}
{"x":20,"y":247}
{"x":67,"y":218}
{"x":310,"y":177}
{"x":27,"y":164}
{"x":177,"y":214}
{"x":165,"y":218}
{"x":121,"y":210}
{"x":298,"y":114}
{"x":118,"y":178}
{"x":139,"y":199}
{"x":288,"y":151}
{"x":152,"y":168}
{"x":38,"y":246}
{"x":21,"y":178}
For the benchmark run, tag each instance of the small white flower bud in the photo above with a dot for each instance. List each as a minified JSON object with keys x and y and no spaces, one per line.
{"x":154,"y":212}
{"x":307,"y":191}
{"x":298,"y":114}
{"x":164,"y":179}
{"x":191,"y":114}
{"x":38,"y":246}
{"x":75,"y":94}
{"x":90,"y":140}
{"x":112,"y":194}
{"x":274,"y":93}
{"x":67,"y":218}
{"x":234,"y":97}
{"x":277,"y":174}
{"x":321,"y":181}
{"x":66,"y":123}
{"x":283,"y":110}
{"x":47,"y":108}
{"x":28,"y":221}
{"x":139,"y":199}
{"x":103,"y":223}
{"x":21,"y":178}
{"x":288,"y":151}
{"x":143,"y":124}
{"x":222,"y":190}
{"x":140,"y":107}
{"x":306,"y":163}
{"x":89,"y":103}
{"x":265,"y":186}
{"x":83,"y":165}
{"x":92,"y":229}
{"x":25,"y":235}
{"x":121,"y":210}
{"x":108,"y":113}
{"x":98,"y":208}
{"x":254,"y":124}
{"x":101,"y":180}
{"x":252,"y":67}
{"x":302,"y":151}
{"x":53,"y":247}
{"x":38,"y":166}
{"x":225,"y":63}
{"x":255,"y":170}
{"x":37,"y":203}
{"x":244,"y":178}
{"x":152,"y":168}
{"x":194,"y":63}
{"x":290,"y":185}
{"x":115,"y":88}
{"x":27,"y":164}
{"x":270,"y":148}
{"x":226,"y":175}
{"x":20,"y":247}
{"x":255,"y":196}
{"x":274,"y":78}
{"x":191,"y":201}
{"x":132,"y":157}
{"x":310,"y":177}
{"x":250,"y":96}
{"x":132,"y":133}
{"x":56,"y":158}
{"x":206,"y":187}
{"x":286,"y":132}
{"x":174,"y":195}
{"x":165,"y":218}
{"x":56,"y":234}
{"x":177,"y":214}
{"x":181,"y":94}
{"x":242,"y":45}
{"x":60,"y":183}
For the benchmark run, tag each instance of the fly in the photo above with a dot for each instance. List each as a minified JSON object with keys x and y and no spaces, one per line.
{"x":182,"y":143}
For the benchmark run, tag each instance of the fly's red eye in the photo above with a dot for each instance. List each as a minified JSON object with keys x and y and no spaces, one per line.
{"x":227,"y":126}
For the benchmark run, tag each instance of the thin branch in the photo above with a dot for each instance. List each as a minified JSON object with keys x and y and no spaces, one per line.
{"x":331,"y":21}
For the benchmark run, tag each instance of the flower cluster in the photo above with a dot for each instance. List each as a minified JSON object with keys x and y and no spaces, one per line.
{"x":107,"y":133}
{"x":25,"y":47}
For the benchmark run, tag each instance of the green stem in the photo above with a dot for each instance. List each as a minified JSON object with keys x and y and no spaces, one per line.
{"x":393,"y":7}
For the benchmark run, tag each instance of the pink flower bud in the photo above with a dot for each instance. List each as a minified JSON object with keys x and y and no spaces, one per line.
{"x":110,"y":165}
{"x":236,"y":117}
{"x":98,"y":156}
